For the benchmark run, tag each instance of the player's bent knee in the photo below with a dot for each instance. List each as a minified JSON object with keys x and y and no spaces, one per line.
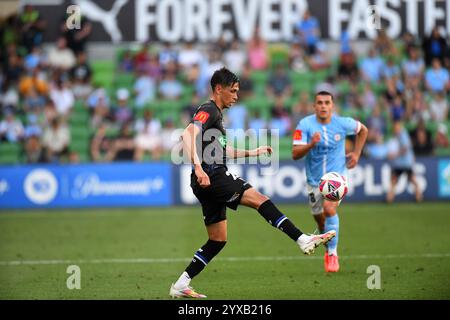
{"x":252,"y":198}
{"x":330,"y":208}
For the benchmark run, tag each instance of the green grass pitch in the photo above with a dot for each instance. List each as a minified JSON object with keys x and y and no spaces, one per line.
{"x":138,"y":253}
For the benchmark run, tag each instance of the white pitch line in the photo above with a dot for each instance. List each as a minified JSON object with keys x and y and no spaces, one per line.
{"x":229,"y":259}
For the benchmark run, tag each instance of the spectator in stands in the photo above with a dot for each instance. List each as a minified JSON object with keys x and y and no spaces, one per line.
{"x":296,"y":58}
{"x":32,"y":27}
{"x":190,"y":109}
{"x":237,"y":120}
{"x":148,"y":137}
{"x":14,"y":68}
{"x":319,"y":60}
{"x":383,"y":45}
{"x":256,"y":123}
{"x":100,"y":144}
{"x":11,"y":129}
{"x":408,"y":41}
{"x":33,"y":82}
{"x":397,"y":109}
{"x":235,"y":57}
{"x":246,"y":85}
{"x":417,"y":108}
{"x":154,"y":69}
{"x":62,"y":97}
{"x":377,"y":123}
{"x":122,"y":112}
{"x":437,"y":78}
{"x":34,"y":59}
{"x":368,"y":97}
{"x":77,"y":37}
{"x":435,"y":47}
{"x":348,"y":68}
{"x":371,"y":67}
{"x":413,"y":67}
{"x":327,"y":85}
{"x":144,"y":89}
{"x":61,"y":57}
{"x":97,"y":97}
{"x":56,"y":141}
{"x":142,"y":58}
{"x":422,"y":140}
{"x":101,"y":115}
{"x":439,"y":107}
{"x":376,"y":148}
{"x":258,"y":57}
{"x":279,"y":82}
{"x":50,"y":112}
{"x":402,"y":160}
{"x":189,"y":57}
{"x":170,"y":137}
{"x":170,"y":87}
{"x":168,"y":56}
{"x":390,"y":69}
{"x":308,"y":30}
{"x":122,"y":147}
{"x":391,"y":90}
{"x":301,"y":108}
{"x":126,"y":63}
{"x":33,"y":150}
{"x":32,"y":128}
{"x":9,"y":97}
{"x":280,"y":119}
{"x":80,"y":75}
{"x":441,"y":140}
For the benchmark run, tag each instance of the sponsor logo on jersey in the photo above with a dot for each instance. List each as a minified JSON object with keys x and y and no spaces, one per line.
{"x":297,"y":135}
{"x":202,"y":116}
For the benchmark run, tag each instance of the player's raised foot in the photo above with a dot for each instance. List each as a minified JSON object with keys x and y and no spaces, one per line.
{"x":332,"y":263}
{"x":309,"y":243}
{"x":187,"y":292}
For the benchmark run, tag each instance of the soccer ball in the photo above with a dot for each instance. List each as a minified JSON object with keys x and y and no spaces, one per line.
{"x":333,"y":186}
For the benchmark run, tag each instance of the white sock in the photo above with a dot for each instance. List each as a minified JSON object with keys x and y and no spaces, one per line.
{"x":303,"y":238}
{"x":183,"y":281}
{"x":332,"y":252}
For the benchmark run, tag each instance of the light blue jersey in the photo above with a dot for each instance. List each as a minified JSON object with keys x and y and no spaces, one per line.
{"x":329,"y":154}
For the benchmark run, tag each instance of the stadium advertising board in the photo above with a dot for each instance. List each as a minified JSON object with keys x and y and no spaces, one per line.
{"x":369,"y":181}
{"x":444,"y":178}
{"x":102,"y":185}
{"x":205,"y":20}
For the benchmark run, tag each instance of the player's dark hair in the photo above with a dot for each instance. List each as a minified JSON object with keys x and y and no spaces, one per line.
{"x":223,"y":77}
{"x":324,"y":93}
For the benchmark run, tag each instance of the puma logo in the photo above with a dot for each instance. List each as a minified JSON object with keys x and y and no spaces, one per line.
{"x":107,"y":18}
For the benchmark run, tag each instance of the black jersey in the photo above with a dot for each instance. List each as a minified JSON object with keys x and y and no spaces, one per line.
{"x":212,"y":139}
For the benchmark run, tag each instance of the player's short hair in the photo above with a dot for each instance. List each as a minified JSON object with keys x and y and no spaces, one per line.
{"x":324,"y":93}
{"x":223,"y":77}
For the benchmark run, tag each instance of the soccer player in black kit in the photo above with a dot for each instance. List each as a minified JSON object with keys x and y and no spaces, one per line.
{"x":217,"y":189}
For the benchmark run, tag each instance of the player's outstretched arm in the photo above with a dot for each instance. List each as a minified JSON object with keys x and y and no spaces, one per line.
{"x":300,"y":150}
{"x":235,"y":153}
{"x":353,"y":157}
{"x":189,"y":136}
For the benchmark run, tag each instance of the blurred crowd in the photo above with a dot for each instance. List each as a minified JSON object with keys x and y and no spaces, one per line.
{"x":405,"y":80}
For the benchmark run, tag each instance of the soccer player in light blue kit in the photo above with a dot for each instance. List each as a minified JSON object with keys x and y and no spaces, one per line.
{"x":321,"y":138}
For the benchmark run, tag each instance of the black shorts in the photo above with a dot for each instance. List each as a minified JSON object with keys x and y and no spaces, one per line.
{"x":226,"y":190}
{"x":397,"y":172}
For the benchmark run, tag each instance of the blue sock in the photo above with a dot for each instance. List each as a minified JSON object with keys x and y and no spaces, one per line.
{"x":332,"y":223}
